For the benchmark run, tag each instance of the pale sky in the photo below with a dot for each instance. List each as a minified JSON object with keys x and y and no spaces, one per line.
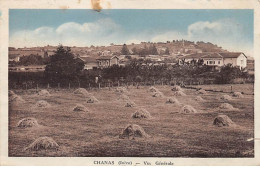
{"x":231,"y":29}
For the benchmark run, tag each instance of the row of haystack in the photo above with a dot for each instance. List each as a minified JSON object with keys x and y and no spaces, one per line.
{"x":44,"y":143}
{"x":228,"y":97}
{"x":123,"y":93}
{"x":132,"y":131}
{"x":135,"y":131}
{"x":41,"y":143}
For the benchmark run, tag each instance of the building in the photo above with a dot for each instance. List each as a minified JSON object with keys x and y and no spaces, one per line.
{"x":89,"y":62}
{"x":217,"y":59}
{"x":14,"y":58}
{"x":107,"y":61}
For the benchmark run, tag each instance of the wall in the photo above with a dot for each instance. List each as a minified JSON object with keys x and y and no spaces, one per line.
{"x":114,"y":61}
{"x":241,"y":61}
{"x":232,"y":61}
{"x":218,"y":62}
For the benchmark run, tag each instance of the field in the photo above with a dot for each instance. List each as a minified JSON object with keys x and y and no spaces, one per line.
{"x":172,"y":134}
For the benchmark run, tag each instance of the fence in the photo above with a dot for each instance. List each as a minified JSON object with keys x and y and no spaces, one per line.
{"x":107,"y":84}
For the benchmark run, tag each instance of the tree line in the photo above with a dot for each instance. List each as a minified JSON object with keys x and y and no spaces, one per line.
{"x":64,"y":68}
{"x":151,"y":50}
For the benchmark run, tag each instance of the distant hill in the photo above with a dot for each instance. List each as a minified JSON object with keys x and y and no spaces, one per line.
{"x":171,"y":48}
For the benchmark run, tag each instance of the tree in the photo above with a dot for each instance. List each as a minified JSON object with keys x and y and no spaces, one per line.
{"x":153,"y":50}
{"x":31,"y":60}
{"x":228,"y":73}
{"x":167,"y":52}
{"x":125,"y":50}
{"x":135,"y":52}
{"x":63,"y":66}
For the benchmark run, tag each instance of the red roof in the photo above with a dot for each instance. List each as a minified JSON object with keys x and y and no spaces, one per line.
{"x":231,"y":54}
{"x":214,"y":55}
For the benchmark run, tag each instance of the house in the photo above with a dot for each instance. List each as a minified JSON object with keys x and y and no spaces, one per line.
{"x":89,"y":63}
{"x":217,"y":59}
{"x":14,"y":57}
{"x":107,"y":61}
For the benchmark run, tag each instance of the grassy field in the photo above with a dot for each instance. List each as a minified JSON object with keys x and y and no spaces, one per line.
{"x":245,"y":88}
{"x":96,"y":133}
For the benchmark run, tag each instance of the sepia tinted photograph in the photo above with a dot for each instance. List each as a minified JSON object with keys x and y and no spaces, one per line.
{"x":131,"y":83}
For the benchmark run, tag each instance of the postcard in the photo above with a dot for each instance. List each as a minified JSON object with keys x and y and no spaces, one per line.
{"x":133,"y":82}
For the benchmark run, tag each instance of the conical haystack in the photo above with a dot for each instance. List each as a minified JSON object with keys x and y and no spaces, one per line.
{"x":238,"y":95}
{"x":11,"y":93}
{"x":81,"y":92}
{"x":187,"y":109}
{"x":172,"y":100}
{"x":42,"y":104}
{"x":223,"y":120}
{"x":92,"y":99}
{"x":43,"y":143}
{"x":27,"y":122}
{"x":43,"y":93}
{"x":227,"y":106}
{"x":80,"y":108}
{"x":123,"y":97}
{"x":153,"y":89}
{"x":225,"y":97}
{"x":198,"y":98}
{"x":132,"y":131}
{"x":130,"y":103}
{"x":157,"y":94}
{"x":201,"y":91}
{"x":121,"y":90}
{"x":141,"y":113}
{"x":177,"y":88}
{"x":179,"y":93}
{"x":15,"y":99}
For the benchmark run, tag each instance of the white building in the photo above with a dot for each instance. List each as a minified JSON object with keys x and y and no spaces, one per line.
{"x":217,"y":59}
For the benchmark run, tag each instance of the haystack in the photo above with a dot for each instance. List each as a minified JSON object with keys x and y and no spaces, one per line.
{"x":122,"y":90}
{"x":227,"y":106}
{"x":179,"y":93}
{"x":172,"y":100}
{"x":92,"y":99}
{"x":16,"y":99}
{"x":223,"y":120}
{"x":153,"y":89}
{"x":42,"y":103}
{"x":123,"y":97}
{"x":198,"y":98}
{"x":82,"y":92}
{"x":141,"y":113}
{"x":225,"y":97}
{"x":43,"y":143}
{"x":132,"y":131}
{"x":43,"y":93}
{"x":238,"y":95}
{"x":201,"y":91}
{"x":158,"y":94}
{"x":27,"y":122}
{"x":130,"y":103}
{"x":80,"y":108}
{"x":11,"y":93}
{"x":177,"y":88}
{"x":187,"y":109}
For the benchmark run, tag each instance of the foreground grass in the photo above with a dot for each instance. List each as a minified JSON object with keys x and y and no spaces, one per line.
{"x":96,"y":133}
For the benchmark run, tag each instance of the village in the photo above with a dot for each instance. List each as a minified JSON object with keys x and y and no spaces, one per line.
{"x":152,"y":54}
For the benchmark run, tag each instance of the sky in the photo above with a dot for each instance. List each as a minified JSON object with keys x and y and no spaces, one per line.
{"x":231,"y":29}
